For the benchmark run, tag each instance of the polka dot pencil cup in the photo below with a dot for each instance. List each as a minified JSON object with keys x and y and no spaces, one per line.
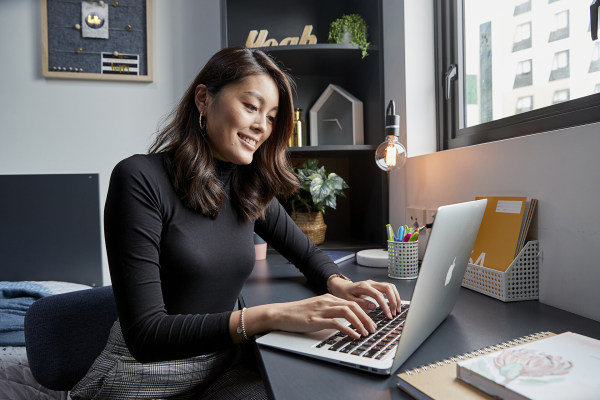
{"x":403,"y":259}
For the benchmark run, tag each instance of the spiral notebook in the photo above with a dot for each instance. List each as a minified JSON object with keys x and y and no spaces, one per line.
{"x":438,"y":380}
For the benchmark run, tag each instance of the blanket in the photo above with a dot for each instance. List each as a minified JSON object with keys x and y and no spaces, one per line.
{"x":15,"y":299}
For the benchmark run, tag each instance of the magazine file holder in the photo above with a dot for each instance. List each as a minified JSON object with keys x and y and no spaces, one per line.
{"x":519,"y":282}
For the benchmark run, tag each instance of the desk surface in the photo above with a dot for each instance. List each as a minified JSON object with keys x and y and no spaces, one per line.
{"x":476,"y":321}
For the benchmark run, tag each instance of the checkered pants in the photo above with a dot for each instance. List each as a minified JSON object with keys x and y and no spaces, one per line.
{"x":117,"y":375}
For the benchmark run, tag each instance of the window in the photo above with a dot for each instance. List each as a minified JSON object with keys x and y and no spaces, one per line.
{"x":561,"y":26}
{"x":560,"y":96}
{"x":595,"y":62}
{"x":494,"y":58}
{"x":522,"y":6}
{"x":522,"y":37}
{"x":524,"y":104}
{"x":560,"y":66}
{"x":524,"y":77}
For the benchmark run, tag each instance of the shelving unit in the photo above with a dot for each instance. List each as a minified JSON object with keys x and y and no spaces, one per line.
{"x":360,"y":218}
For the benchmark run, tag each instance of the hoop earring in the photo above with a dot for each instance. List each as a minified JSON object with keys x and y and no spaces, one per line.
{"x":202,"y":126}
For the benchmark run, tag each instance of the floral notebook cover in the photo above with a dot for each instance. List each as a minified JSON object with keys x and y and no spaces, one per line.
{"x":560,"y":366}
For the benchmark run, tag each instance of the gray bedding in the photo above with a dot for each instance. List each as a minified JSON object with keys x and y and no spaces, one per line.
{"x":16,"y":381}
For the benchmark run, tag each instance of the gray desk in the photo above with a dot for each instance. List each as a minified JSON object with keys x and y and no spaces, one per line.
{"x":477,"y":321}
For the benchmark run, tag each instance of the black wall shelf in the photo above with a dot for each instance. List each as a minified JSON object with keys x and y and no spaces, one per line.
{"x":360,"y":218}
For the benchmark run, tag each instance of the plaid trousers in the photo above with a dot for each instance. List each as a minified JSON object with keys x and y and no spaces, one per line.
{"x":115,"y":374}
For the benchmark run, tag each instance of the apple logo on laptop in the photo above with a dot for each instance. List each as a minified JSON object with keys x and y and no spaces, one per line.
{"x":449,"y":274}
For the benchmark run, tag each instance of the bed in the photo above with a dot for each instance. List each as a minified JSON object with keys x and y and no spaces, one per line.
{"x":49,"y":244}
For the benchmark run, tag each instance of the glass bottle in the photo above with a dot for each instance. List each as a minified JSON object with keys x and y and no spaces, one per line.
{"x":298,"y":137}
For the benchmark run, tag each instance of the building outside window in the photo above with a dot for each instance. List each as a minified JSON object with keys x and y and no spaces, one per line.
{"x":504,"y":56}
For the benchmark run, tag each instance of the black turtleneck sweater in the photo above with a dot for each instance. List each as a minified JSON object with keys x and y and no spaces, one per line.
{"x":176,"y":274}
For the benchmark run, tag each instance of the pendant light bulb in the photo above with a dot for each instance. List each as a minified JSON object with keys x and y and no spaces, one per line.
{"x":391,"y":154}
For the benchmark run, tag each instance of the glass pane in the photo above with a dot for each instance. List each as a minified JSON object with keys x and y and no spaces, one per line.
{"x":524,"y":55}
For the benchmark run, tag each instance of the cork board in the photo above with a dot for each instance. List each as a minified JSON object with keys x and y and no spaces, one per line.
{"x":93,"y":39}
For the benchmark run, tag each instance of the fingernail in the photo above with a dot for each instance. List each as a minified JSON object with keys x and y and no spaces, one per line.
{"x":371,"y":306}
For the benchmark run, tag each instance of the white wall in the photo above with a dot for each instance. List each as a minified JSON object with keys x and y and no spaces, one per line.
{"x":77,"y":126}
{"x":560,"y":169}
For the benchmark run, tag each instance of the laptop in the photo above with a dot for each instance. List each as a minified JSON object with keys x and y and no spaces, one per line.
{"x":450,"y":244}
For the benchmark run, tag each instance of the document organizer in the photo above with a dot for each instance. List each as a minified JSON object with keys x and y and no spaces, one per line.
{"x":519,"y":282}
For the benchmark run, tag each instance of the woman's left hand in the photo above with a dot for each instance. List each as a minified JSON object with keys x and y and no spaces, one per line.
{"x":357,"y":291}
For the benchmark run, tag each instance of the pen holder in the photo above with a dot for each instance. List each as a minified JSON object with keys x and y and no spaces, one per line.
{"x":403,"y":260}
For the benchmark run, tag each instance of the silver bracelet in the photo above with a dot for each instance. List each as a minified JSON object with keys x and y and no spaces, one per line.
{"x":242,"y":329}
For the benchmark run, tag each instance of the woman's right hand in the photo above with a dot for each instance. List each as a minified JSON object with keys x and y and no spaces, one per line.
{"x":309,"y":315}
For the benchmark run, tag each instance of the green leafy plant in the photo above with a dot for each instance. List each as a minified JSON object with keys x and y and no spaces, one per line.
{"x":355,"y":25}
{"x":318,"y":188}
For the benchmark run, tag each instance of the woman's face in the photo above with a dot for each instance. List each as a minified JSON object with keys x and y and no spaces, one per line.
{"x":240,"y":117}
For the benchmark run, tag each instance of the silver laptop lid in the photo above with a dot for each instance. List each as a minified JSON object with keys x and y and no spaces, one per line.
{"x":444,"y":263}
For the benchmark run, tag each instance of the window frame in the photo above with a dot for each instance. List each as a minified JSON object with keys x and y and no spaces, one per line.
{"x":448,"y":34}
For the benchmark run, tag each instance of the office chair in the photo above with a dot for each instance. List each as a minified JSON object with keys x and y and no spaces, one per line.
{"x":65,"y":333}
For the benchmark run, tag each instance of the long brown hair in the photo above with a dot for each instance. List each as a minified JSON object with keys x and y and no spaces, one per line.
{"x":191,"y":163}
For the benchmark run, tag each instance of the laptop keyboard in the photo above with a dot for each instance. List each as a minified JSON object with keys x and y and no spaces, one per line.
{"x":377,"y":344}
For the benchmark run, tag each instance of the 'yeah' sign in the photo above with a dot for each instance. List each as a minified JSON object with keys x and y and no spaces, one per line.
{"x":259,"y":39}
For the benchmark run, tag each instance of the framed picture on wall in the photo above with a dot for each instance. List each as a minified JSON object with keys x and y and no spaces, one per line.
{"x":96,"y":39}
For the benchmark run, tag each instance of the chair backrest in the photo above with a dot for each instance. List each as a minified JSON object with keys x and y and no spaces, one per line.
{"x":65,"y":333}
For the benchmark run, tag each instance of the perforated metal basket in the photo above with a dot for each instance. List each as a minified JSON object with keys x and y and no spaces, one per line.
{"x":403,"y":260}
{"x":519,"y":282}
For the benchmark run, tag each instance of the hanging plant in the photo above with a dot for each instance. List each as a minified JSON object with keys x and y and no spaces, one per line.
{"x":350,"y":28}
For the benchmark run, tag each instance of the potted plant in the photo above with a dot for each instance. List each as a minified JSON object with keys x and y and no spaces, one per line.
{"x":350,"y":29}
{"x":318,"y":189}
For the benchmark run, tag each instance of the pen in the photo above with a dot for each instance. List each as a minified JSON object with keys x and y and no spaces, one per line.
{"x":390,"y":232}
{"x":414,"y":237}
{"x":400,"y":233}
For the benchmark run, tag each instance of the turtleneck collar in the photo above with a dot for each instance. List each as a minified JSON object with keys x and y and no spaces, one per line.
{"x":224,"y":170}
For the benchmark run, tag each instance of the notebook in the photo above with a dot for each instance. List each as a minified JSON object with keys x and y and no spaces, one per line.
{"x":564,"y":366}
{"x":439,"y":281}
{"x":437,"y":380}
{"x":339,"y":256}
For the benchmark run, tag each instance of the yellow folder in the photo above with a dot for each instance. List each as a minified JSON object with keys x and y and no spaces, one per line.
{"x":499,"y":233}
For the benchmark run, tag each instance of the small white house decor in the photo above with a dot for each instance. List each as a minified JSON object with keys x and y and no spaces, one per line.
{"x":336,"y":118}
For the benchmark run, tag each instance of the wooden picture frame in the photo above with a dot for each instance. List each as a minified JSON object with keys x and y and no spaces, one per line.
{"x":125,"y":54}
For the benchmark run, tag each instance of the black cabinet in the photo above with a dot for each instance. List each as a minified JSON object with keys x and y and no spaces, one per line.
{"x":360,"y":217}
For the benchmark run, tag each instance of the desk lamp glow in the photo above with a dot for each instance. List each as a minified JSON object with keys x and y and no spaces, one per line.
{"x":390,"y":154}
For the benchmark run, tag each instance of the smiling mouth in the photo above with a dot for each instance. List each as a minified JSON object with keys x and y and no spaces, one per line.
{"x":248,"y":140}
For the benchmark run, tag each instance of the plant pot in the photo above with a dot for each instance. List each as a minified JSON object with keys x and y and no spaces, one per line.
{"x":312,"y":224}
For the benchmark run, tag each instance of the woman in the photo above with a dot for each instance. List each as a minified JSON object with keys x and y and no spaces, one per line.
{"x":178,"y":230}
